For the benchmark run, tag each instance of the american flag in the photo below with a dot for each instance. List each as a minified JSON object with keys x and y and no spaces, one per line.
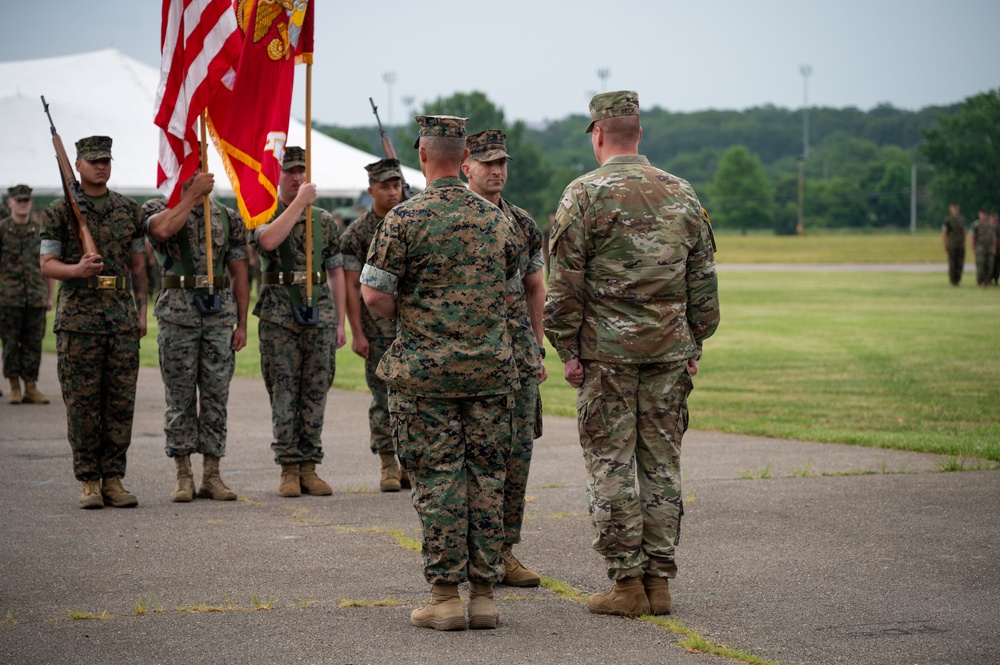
{"x":201,"y":44}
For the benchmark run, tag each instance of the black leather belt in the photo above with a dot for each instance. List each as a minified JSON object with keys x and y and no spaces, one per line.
{"x":193,"y":282}
{"x":298,"y":277}
{"x":102,"y":282}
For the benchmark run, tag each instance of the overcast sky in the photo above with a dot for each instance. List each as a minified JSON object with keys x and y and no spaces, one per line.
{"x":540,"y":59}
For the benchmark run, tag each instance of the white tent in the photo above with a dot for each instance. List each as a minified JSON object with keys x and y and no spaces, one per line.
{"x":108,"y":93}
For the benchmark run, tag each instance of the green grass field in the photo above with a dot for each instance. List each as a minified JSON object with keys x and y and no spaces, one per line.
{"x":898,"y":360}
{"x":831,"y":247}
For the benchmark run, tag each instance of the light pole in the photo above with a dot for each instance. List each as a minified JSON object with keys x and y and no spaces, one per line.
{"x":389,"y":78}
{"x":806,"y":71}
{"x":408,"y":103}
{"x":603,"y":73}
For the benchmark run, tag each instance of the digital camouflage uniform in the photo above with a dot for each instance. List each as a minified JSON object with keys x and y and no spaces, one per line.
{"x":954,"y":227}
{"x":984,"y":237}
{"x":196,"y":355}
{"x":632,"y":294}
{"x":528,"y":401}
{"x":379,"y":331}
{"x":97,"y":334}
{"x":298,"y":361}
{"x":446,"y":255}
{"x":24,"y":297}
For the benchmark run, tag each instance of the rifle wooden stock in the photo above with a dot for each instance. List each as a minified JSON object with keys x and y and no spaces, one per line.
{"x":73,"y":192}
{"x":387,"y":147}
{"x":390,"y":153}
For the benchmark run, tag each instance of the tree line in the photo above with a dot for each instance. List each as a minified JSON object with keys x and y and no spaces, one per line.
{"x":744,"y":165}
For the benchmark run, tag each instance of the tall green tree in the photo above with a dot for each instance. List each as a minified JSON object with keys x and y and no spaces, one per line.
{"x":964,"y":150}
{"x":742,"y":197}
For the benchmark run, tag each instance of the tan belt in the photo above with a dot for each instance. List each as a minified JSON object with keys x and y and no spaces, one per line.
{"x":193,"y":282}
{"x":297,"y":277}
{"x":103,"y":282}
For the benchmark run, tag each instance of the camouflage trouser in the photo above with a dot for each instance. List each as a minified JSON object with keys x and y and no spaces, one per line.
{"x":522,"y":443}
{"x":97,"y":374}
{"x":984,"y":265}
{"x":378,"y":410}
{"x":455,"y":451}
{"x":196,"y":364}
{"x":956,"y":263}
{"x":22,"y":330}
{"x":296,"y":369}
{"x":632,"y":419}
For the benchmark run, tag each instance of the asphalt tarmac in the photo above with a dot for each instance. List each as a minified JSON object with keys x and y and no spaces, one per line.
{"x":791,"y":552}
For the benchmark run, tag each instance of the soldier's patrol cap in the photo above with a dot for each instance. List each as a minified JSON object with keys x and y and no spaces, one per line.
{"x":611,"y":105}
{"x":487,"y":145}
{"x":440,"y":125}
{"x":19,"y":192}
{"x":384,"y":169}
{"x":294,"y":156}
{"x":93,"y":148}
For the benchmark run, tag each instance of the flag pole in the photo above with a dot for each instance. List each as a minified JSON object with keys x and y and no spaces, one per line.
{"x":208,"y":211}
{"x":309,"y":219}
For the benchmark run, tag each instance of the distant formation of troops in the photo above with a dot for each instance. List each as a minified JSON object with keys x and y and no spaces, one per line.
{"x":445,"y":296}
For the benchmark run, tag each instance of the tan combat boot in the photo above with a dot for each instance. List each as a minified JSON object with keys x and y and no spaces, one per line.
{"x":627,"y":598}
{"x":290,"y":483}
{"x":658,"y":593}
{"x":32,"y":395}
{"x":389,"y":482}
{"x":483,"y":612}
{"x":443,"y":611}
{"x":515,"y":574}
{"x":404,"y":479}
{"x":311,"y":483}
{"x":116,"y":495}
{"x":91,"y":497}
{"x":184,"y":491}
{"x":15,"y":391}
{"x":212,"y":486}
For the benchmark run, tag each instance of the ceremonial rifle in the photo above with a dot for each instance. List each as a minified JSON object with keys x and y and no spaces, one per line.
{"x":73,"y":191}
{"x":390,"y":153}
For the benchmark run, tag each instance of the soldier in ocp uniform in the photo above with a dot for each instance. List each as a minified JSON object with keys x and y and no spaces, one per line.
{"x":633,"y":295}
{"x":486,"y":170}
{"x":953,"y":242}
{"x":197,"y":339}
{"x":296,"y":354}
{"x":371,"y":334}
{"x":25,"y":296}
{"x":98,"y":324}
{"x":439,"y":264}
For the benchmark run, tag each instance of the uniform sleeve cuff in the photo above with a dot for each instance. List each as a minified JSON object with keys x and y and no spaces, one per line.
{"x":379,"y":279}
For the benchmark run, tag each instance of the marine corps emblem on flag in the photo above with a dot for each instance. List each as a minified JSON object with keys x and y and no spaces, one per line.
{"x":287,"y":16}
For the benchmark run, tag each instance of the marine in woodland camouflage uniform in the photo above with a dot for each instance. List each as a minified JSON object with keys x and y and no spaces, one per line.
{"x":983,"y":239}
{"x":372,"y":334}
{"x":632,"y":296}
{"x":98,"y":324}
{"x":297,"y":361}
{"x":995,"y":221}
{"x":198,"y":350}
{"x":24,"y":298}
{"x":438,"y":264}
{"x":953,"y":240}
{"x":486,"y":170}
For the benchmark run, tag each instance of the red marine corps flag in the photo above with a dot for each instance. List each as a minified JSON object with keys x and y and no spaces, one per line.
{"x":248,"y":121}
{"x":200,"y":45}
